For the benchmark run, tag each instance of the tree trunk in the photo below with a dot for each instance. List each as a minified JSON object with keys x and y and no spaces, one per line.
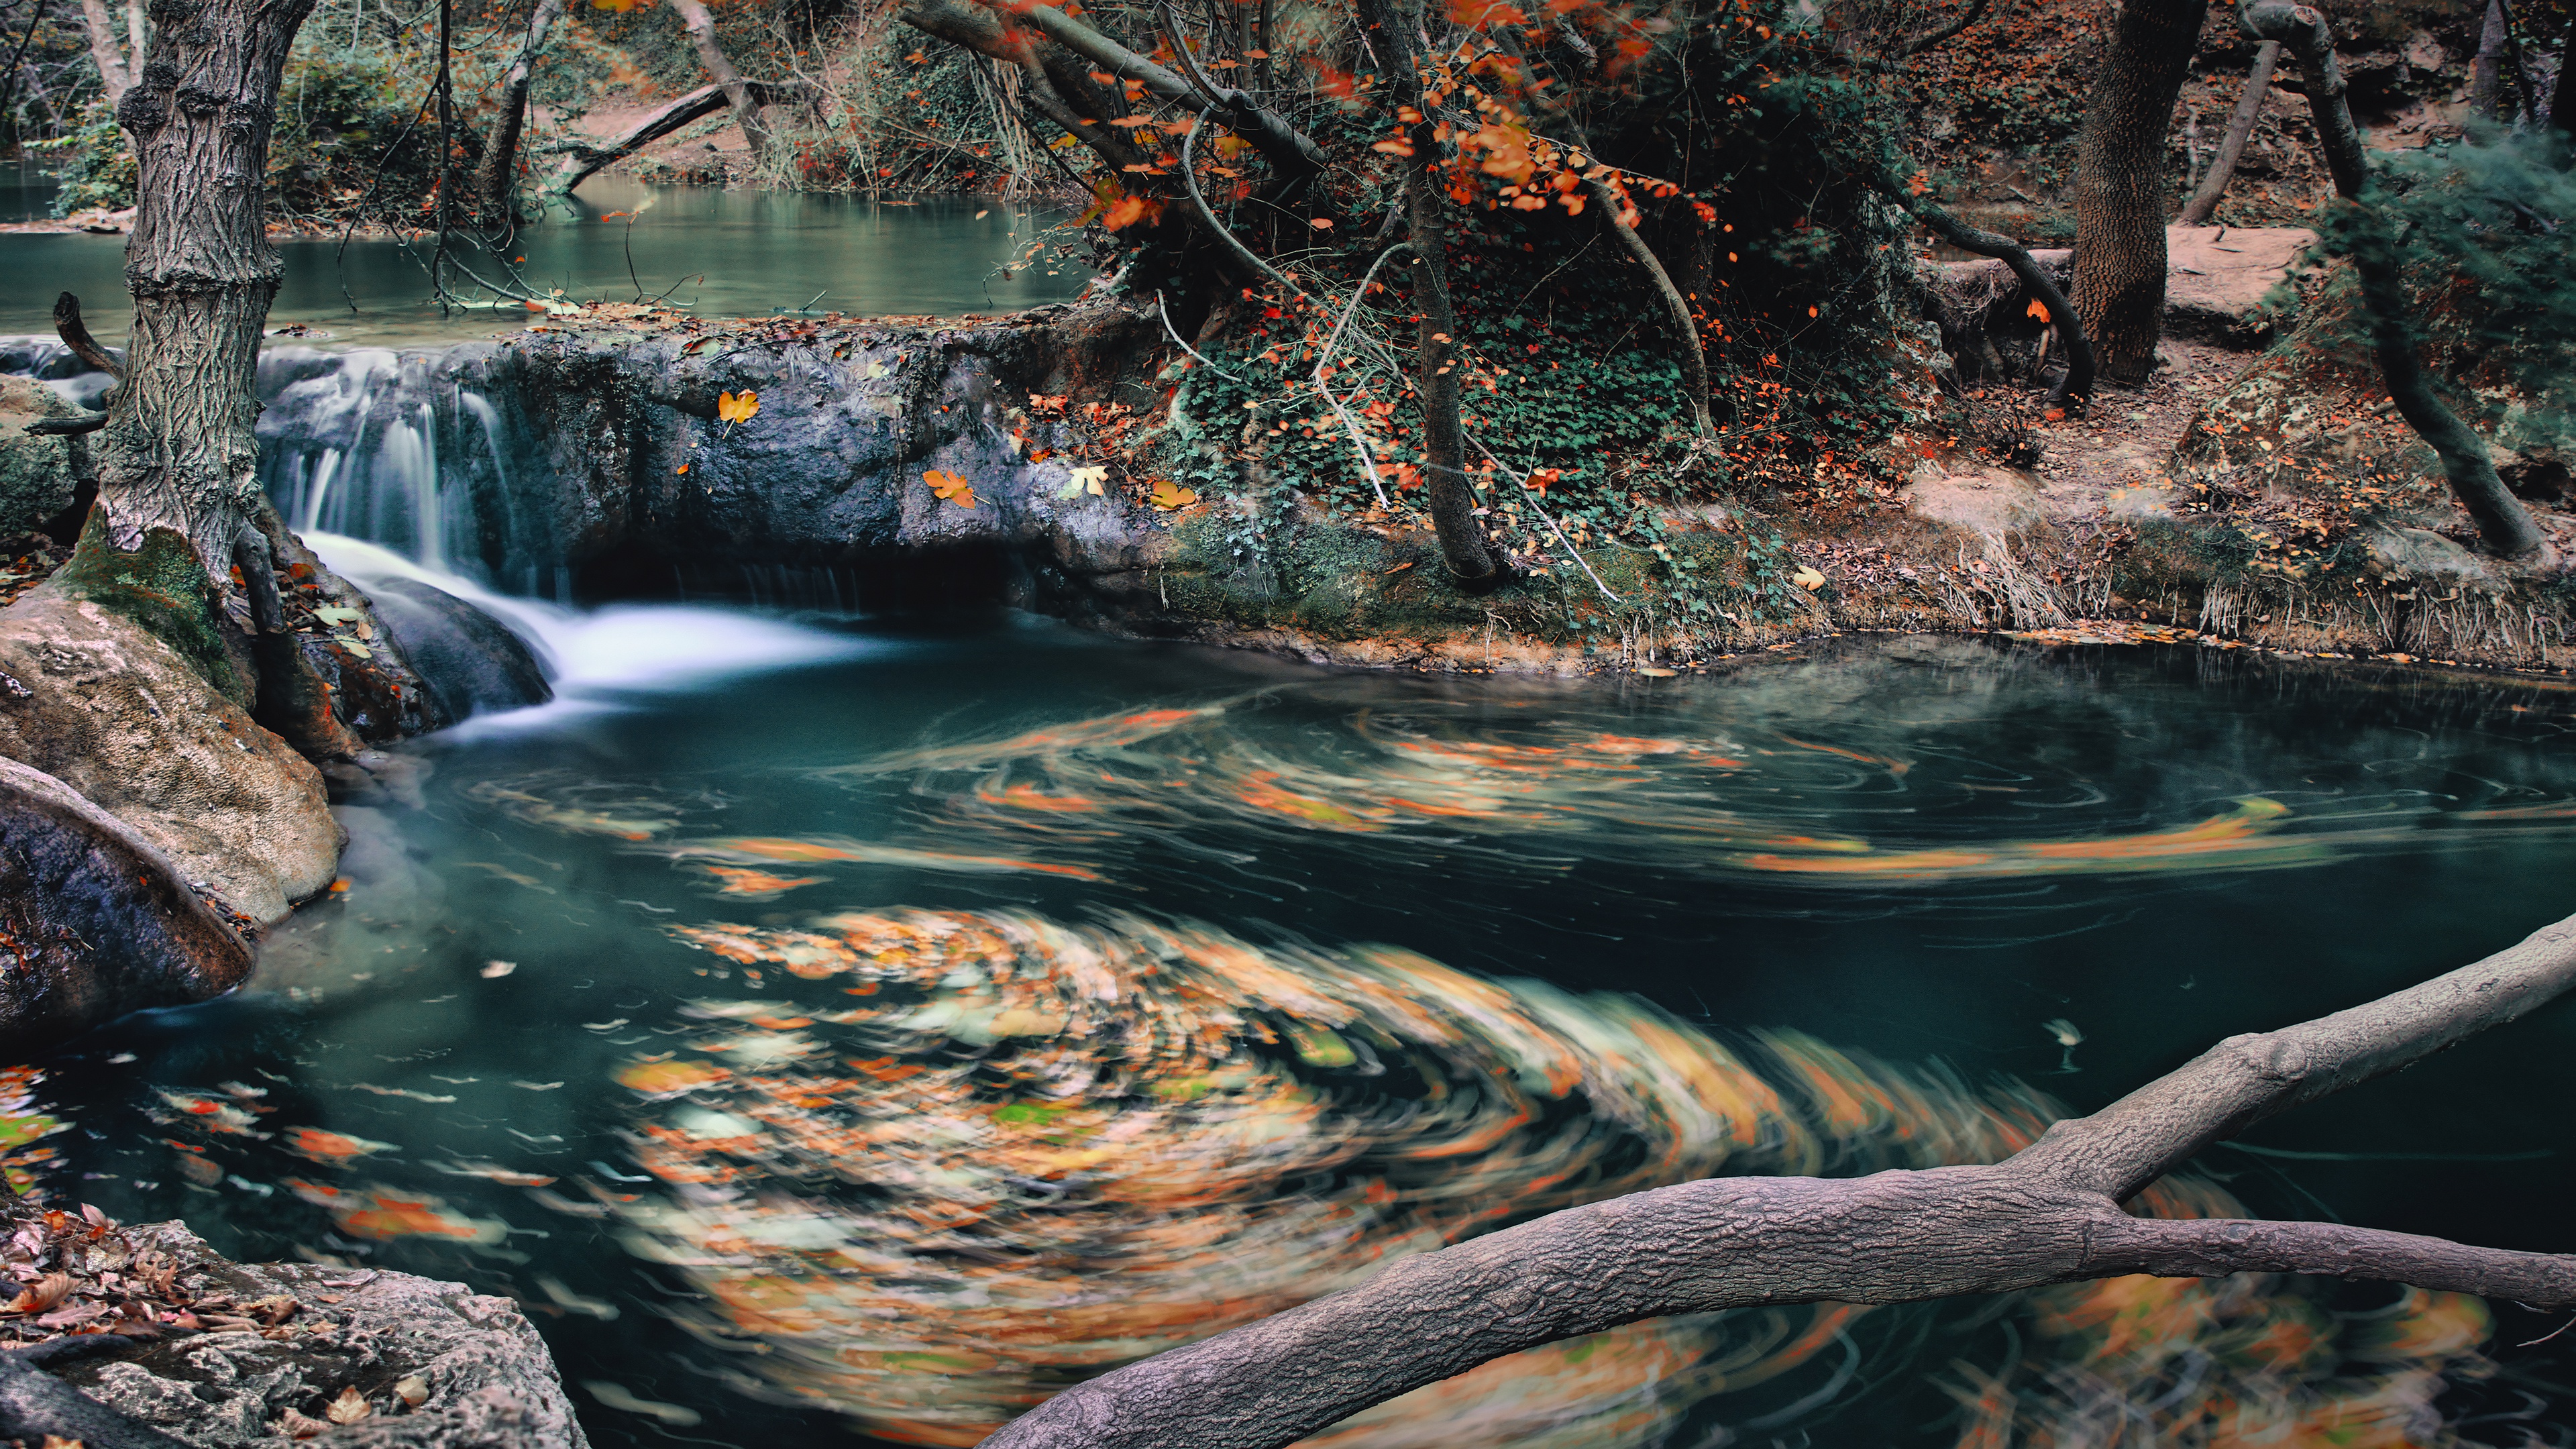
{"x":2240,"y":129}
{"x":2119,"y":184}
{"x":496,"y":178}
{"x":1444,"y":459}
{"x":738,"y":94}
{"x":100,"y":25}
{"x":2561,"y":94}
{"x":2050,"y":1214}
{"x":2502,"y":520}
{"x":135,"y":31}
{"x":179,"y":459}
{"x":2486,"y":73}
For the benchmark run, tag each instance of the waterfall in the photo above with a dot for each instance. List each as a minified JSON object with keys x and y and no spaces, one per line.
{"x":416,"y":451}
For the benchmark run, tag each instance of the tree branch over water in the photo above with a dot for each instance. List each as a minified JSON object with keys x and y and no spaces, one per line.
{"x":2049,"y":1214}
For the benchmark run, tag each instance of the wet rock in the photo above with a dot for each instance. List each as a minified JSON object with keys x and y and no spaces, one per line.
{"x":98,"y":921}
{"x":36,"y":473}
{"x":468,"y":661}
{"x":489,"y":1381}
{"x":100,"y":703}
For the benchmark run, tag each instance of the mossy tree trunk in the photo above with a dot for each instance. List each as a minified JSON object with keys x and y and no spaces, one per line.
{"x":179,"y":456}
{"x":2119,"y":184}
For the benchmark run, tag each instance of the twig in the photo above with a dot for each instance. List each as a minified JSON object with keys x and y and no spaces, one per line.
{"x":1572,"y":552}
{"x":1174,"y":333}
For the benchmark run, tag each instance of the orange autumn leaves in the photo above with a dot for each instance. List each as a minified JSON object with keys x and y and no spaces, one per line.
{"x":950,"y":487}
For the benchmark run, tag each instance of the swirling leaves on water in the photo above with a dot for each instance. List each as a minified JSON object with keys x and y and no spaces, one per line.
{"x":1713,"y":794}
{"x":983,"y":1154}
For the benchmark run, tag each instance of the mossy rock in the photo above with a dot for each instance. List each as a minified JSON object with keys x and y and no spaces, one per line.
{"x":36,"y":473}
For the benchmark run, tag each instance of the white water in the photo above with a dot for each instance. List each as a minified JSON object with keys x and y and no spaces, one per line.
{"x":598,"y":659}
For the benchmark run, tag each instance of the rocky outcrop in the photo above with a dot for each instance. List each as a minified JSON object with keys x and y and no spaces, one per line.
{"x":109,"y":708}
{"x":212,"y":1354}
{"x":38,"y":478}
{"x":95,"y":920}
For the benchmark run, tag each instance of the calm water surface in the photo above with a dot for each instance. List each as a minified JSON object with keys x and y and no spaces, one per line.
{"x":724,"y":253}
{"x":830,"y":1025}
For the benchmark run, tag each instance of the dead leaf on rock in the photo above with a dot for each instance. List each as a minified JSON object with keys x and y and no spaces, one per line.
{"x":300,"y":1426}
{"x":40,"y":1295}
{"x":350,"y":1407}
{"x":412,"y":1390}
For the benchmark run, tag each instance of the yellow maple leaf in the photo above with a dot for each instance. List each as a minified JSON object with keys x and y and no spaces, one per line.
{"x":1091,"y":478}
{"x":737,"y":407}
{"x":950,"y":487}
{"x":1168,"y":495}
{"x":1809,"y":579}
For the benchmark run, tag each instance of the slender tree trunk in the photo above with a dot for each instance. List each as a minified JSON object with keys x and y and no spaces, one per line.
{"x":2119,"y":184}
{"x":2502,"y":520}
{"x":135,"y":31}
{"x":2486,"y":73}
{"x":180,"y":463}
{"x":719,"y":68}
{"x":100,"y":25}
{"x":1444,"y":461}
{"x":496,"y":178}
{"x":2561,"y":94}
{"x":2240,"y":129}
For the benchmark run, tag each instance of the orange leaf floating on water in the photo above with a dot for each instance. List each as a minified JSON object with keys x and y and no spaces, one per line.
{"x":656,"y":1079}
{"x":330,"y":1148}
{"x":744,"y":881}
{"x":950,"y":487}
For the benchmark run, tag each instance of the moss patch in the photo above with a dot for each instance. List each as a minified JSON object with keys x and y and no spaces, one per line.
{"x":161,"y":586}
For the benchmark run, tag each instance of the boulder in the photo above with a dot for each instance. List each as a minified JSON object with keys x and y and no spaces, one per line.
{"x":489,"y":1381}
{"x":37,"y":474}
{"x":103,"y":705}
{"x":468,"y":662}
{"x":95,"y":921}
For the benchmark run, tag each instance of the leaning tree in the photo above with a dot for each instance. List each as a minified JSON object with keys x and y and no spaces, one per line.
{"x":2049,"y":1214}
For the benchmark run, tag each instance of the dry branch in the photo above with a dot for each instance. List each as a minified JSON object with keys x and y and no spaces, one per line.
{"x":581,"y":162}
{"x":2050,"y":1214}
{"x":2240,"y":128}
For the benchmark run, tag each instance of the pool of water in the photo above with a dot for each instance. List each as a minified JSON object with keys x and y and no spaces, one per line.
{"x":832,"y":1026}
{"x":724,"y":253}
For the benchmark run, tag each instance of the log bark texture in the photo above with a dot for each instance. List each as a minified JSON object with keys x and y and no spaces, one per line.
{"x":179,"y":451}
{"x":2050,"y":1214}
{"x":2119,"y":184}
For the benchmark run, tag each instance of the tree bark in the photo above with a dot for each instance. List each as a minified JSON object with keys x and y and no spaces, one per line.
{"x":496,"y":178}
{"x":136,"y":29}
{"x":2119,"y":184}
{"x":2502,"y":520}
{"x":179,"y":455}
{"x":2240,"y":129}
{"x":100,"y":26}
{"x":1451,"y":498}
{"x":2050,"y":1214}
{"x":2486,"y":72}
{"x":739,"y":94}
{"x":2077,"y":385}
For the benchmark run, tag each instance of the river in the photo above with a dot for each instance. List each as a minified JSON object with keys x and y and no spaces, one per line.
{"x":724,"y":253}
{"x":828,"y":1024}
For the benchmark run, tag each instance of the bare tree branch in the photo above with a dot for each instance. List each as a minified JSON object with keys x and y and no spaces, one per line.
{"x":2240,"y":129}
{"x":1286,"y":147}
{"x":2048,"y":1215}
{"x":581,"y":161}
{"x":1968,"y":15}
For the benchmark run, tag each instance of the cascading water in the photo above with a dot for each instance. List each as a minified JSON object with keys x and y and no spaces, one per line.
{"x":408,"y":450}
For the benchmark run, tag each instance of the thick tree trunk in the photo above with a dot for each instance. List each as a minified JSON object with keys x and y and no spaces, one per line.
{"x":2486,"y":72}
{"x":2502,"y":520}
{"x":496,"y":178}
{"x":2119,"y":184}
{"x":1444,"y":457}
{"x":738,"y":94}
{"x":99,"y":23}
{"x":2240,"y":129}
{"x":2050,"y":1214}
{"x":179,"y":456}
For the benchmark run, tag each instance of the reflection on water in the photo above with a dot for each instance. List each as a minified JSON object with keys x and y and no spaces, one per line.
{"x":900,"y":1025}
{"x":723,"y":253}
